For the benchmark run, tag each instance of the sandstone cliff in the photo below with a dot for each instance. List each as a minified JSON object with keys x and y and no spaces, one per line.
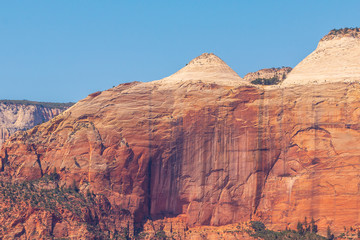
{"x":336,"y":59}
{"x":21,"y":115}
{"x":202,"y":144}
{"x":268,"y":73}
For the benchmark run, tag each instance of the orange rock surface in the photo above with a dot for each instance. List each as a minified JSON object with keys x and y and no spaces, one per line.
{"x":215,"y":152}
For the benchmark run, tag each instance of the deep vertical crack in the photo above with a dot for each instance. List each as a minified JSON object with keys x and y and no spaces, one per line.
{"x":4,"y":161}
{"x":259,"y":160}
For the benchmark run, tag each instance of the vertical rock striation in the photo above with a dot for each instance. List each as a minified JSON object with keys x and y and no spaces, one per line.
{"x":206,"y":145}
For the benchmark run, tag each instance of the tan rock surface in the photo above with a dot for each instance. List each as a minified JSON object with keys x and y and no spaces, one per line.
{"x":206,"y":67}
{"x":336,"y":59}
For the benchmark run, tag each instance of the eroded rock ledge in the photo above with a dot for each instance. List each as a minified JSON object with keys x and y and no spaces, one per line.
{"x":343,"y":32}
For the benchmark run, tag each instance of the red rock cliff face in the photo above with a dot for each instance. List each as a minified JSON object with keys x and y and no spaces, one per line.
{"x":217,"y":152}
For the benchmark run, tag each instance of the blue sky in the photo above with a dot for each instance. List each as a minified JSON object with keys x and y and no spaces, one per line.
{"x":61,"y":51}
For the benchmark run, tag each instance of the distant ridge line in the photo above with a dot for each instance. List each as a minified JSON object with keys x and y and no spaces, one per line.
{"x":43,"y":104}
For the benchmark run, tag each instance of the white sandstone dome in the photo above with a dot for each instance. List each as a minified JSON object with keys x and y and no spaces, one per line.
{"x":336,"y":59}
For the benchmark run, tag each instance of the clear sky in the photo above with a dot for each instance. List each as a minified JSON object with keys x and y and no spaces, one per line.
{"x":61,"y":51}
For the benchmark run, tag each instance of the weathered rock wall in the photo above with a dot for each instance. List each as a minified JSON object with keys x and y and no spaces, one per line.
{"x":217,"y":154}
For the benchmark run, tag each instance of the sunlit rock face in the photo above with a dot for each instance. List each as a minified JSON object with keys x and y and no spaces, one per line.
{"x":23,"y":115}
{"x":336,"y":59}
{"x":205,"y":144}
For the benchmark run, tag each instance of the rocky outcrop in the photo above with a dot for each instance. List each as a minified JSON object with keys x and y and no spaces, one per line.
{"x":336,"y":59}
{"x":268,"y":73}
{"x":343,"y":32}
{"x":176,"y":228}
{"x":22,"y":115}
{"x":40,"y":209}
{"x":215,"y":152}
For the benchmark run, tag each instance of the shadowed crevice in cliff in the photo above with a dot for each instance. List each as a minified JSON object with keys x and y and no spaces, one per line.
{"x":164,"y":174}
{"x":315,"y":181}
{"x":54,"y":220}
{"x":4,"y":161}
{"x":148,"y":199}
{"x":38,"y":161}
{"x":260,"y":168}
{"x":315,"y":127}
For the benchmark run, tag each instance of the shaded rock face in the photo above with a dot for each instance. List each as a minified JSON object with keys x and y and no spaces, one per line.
{"x":268,"y":73}
{"x":17,"y":116}
{"x":215,"y":153}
